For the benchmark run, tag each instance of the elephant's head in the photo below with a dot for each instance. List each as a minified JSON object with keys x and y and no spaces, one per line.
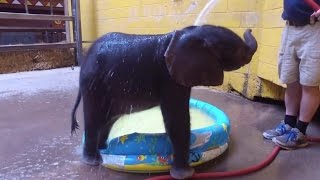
{"x":198,"y":55}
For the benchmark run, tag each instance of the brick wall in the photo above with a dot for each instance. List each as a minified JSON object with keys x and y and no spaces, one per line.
{"x":271,"y":29}
{"x":259,"y":78}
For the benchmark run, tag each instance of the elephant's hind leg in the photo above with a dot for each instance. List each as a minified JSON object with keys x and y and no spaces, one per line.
{"x":94,"y":117}
{"x":105,"y":131}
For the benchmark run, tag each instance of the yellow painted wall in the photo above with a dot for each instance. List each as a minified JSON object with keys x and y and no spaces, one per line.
{"x":271,"y":29}
{"x":259,"y":78}
{"x":88,"y":21}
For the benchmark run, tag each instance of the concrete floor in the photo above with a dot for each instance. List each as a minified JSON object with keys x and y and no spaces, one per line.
{"x":36,"y":143}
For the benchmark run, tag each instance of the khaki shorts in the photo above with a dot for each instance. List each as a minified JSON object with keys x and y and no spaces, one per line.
{"x":299,"y":57}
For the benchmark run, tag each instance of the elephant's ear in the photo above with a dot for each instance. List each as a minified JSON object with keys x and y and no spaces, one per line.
{"x":191,"y":61}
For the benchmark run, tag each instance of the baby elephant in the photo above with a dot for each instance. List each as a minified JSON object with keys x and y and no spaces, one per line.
{"x":125,"y":73}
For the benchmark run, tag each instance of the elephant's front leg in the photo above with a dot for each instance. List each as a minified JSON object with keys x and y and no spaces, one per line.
{"x":175,"y":111}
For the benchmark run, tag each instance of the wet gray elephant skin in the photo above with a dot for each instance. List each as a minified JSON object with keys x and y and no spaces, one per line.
{"x":125,"y":73}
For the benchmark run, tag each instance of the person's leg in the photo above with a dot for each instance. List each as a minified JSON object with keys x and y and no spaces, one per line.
{"x":309,"y":104}
{"x":309,"y":75}
{"x":309,"y":69}
{"x":292,"y":102}
{"x":288,"y":69}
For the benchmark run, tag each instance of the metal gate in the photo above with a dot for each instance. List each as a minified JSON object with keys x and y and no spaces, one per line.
{"x":76,"y":43}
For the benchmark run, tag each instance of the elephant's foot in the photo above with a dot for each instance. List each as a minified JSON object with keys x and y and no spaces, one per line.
{"x":181,"y":173}
{"x":92,"y":160}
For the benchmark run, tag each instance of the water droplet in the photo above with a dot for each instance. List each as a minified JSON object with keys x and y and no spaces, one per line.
{"x":55,"y":164}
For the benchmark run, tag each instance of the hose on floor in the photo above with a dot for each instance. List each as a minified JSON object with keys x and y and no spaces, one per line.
{"x":241,"y":172}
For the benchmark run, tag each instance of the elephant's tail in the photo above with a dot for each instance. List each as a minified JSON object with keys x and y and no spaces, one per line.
{"x":74,"y":122}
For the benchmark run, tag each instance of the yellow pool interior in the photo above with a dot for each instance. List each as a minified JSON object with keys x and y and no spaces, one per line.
{"x":151,"y":121}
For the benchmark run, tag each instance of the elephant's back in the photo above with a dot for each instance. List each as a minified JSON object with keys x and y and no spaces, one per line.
{"x":121,"y":44}
{"x":143,"y":53}
{"x":132,"y":63}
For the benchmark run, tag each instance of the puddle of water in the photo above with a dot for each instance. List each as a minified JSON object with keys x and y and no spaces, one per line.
{"x":43,"y":161}
{"x":152,"y":121}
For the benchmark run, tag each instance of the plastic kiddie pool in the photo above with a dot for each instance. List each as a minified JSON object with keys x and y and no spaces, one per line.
{"x":148,"y":149}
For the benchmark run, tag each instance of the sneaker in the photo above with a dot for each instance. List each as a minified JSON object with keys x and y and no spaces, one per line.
{"x":280,"y":130}
{"x":292,"y":140}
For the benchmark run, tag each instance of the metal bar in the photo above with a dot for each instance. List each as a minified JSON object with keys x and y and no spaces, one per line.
{"x":67,"y":25}
{"x":30,"y":29}
{"x":43,"y":17}
{"x":47,"y":37}
{"x":26,"y":6}
{"x":77,"y":29}
{"x":87,"y":42}
{"x":51,"y":9}
{"x":73,"y":11}
{"x":23,"y":47}
{"x":8,"y":7}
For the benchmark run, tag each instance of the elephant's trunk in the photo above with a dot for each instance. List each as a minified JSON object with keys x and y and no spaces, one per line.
{"x":250,"y":41}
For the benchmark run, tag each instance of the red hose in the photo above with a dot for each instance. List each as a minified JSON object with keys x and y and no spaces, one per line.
{"x":241,"y":172}
{"x":229,"y":173}
{"x":314,"y":139}
{"x":313,"y":4}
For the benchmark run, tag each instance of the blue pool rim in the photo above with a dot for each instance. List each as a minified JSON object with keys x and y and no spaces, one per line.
{"x":123,"y":153}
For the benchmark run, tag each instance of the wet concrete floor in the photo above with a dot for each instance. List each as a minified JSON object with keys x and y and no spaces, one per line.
{"x":36,"y":143}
